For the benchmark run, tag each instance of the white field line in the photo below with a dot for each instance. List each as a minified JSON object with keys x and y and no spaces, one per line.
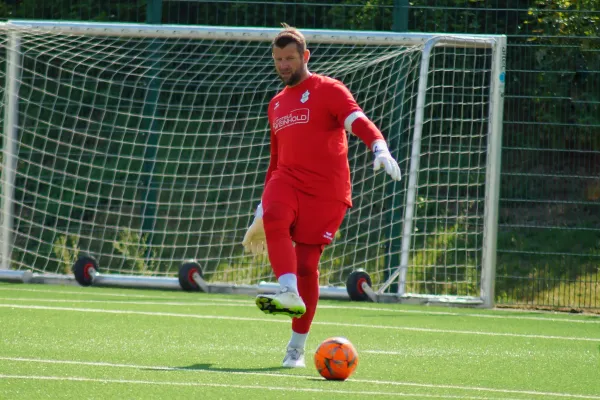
{"x":278,"y":375}
{"x":202,"y":303}
{"x":286,"y":389}
{"x":593,"y":318}
{"x":286,"y":321}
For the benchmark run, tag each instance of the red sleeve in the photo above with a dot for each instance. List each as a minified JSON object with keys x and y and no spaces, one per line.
{"x":342,"y":105}
{"x":341,"y":102}
{"x":274,"y":157}
{"x":366,"y":131}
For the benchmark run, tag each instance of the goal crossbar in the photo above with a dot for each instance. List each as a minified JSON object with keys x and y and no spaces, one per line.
{"x":250,"y":34}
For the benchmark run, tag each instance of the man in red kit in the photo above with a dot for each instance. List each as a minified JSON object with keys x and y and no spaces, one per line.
{"x":307,"y":185}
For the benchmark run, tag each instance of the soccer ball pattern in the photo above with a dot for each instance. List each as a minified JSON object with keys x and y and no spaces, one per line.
{"x":336,"y":358}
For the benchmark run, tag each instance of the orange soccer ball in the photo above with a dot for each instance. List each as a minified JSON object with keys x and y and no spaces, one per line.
{"x":336,"y":358}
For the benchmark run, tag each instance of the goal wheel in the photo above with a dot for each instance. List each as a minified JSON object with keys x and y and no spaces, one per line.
{"x":187,"y":270}
{"x":354,"y":285}
{"x":84,"y":268}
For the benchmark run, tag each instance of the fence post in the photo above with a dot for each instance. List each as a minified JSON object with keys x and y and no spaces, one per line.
{"x":154,"y":11}
{"x":400,"y":16}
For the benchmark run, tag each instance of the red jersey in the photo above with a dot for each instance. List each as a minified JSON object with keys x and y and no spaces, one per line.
{"x":309,"y":148}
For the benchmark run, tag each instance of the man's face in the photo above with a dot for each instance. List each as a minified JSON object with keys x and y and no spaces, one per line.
{"x":290,"y":65}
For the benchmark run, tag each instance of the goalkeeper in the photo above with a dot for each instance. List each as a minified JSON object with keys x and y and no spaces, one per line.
{"x":307,"y":186}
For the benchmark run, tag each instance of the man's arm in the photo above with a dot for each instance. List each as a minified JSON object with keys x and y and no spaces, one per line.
{"x":274,"y":158}
{"x":255,"y":241}
{"x":358,"y":124}
{"x":348,"y":113}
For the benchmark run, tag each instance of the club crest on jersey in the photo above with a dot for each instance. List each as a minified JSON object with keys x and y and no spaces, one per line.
{"x":304,"y":97}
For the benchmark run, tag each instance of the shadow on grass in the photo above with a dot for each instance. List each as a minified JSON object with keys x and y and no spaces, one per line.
{"x":210,"y":367}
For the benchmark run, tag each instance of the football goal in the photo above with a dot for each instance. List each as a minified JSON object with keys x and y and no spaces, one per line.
{"x":141,"y":148}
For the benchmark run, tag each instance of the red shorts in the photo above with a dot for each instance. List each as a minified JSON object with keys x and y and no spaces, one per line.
{"x":317,"y":219}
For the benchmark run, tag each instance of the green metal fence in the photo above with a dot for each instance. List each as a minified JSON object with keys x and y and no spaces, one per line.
{"x":549,"y":228}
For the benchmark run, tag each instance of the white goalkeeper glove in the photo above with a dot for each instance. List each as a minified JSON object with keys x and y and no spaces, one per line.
{"x":384,"y":159}
{"x":255,"y":241}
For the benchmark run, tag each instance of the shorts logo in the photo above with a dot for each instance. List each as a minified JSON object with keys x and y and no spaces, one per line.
{"x":328,"y":236}
{"x":298,"y":116}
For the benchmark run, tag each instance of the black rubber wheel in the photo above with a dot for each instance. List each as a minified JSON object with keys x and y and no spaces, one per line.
{"x":186,"y":272}
{"x":354,"y":285}
{"x":82,"y":269}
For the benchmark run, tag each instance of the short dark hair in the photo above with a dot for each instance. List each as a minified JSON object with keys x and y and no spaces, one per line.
{"x":288,"y":35}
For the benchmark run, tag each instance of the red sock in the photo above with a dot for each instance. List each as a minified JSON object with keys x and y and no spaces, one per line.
{"x":308,"y":256}
{"x":278,"y":219}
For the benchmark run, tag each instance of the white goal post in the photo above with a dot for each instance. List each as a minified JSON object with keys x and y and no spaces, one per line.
{"x":144,"y":146}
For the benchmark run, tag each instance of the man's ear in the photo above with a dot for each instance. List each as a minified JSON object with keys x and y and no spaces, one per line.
{"x":306,"y":56}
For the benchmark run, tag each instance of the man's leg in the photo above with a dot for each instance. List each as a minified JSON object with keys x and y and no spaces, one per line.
{"x":308,"y":256}
{"x":278,"y":218}
{"x":316,"y":224}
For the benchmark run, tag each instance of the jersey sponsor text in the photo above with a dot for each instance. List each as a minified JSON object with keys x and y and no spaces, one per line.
{"x":298,"y":116}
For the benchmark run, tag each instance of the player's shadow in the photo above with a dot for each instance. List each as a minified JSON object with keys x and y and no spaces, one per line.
{"x":210,"y":367}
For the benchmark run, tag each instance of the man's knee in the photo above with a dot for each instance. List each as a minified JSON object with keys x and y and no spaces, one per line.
{"x":308,"y":256}
{"x":308,"y":271}
{"x":278,"y":218}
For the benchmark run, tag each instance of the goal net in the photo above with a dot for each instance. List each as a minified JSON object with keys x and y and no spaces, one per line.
{"x":145,"y":146}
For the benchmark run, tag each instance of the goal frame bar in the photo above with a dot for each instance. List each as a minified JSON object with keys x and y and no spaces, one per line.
{"x":497,"y":43}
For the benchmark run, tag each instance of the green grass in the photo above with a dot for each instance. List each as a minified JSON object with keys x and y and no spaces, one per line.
{"x":68,"y":342}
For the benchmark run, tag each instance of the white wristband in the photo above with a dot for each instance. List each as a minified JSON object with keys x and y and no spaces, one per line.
{"x":259,"y":211}
{"x":379,"y":146}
